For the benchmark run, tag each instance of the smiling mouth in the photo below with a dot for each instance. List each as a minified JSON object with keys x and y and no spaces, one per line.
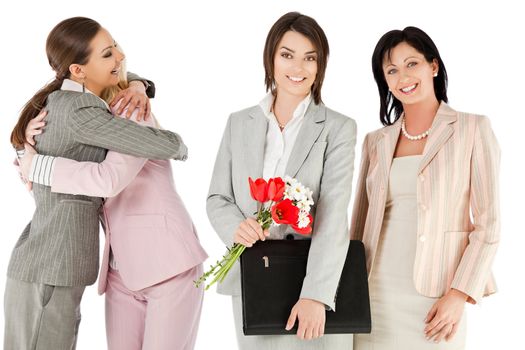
{"x":409,"y":89}
{"x":296,"y":79}
{"x":115,"y":71}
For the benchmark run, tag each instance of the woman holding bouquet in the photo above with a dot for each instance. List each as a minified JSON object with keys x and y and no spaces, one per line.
{"x":421,"y":178}
{"x":289,"y":133}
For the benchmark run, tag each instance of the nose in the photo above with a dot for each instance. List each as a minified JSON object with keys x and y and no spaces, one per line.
{"x":404,"y":77}
{"x":119,"y":55}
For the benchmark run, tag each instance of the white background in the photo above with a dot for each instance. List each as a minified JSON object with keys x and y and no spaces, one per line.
{"x":206,"y":60}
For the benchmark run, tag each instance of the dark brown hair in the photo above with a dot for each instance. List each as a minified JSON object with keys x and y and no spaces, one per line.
{"x":66,"y":44}
{"x":390,"y":107}
{"x":308,"y":27}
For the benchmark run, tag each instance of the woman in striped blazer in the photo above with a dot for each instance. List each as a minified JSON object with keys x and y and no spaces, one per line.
{"x":427,"y":206}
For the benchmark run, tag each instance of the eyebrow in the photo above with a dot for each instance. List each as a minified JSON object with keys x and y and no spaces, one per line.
{"x":406,"y":59}
{"x":306,"y":53}
{"x":109,"y":47}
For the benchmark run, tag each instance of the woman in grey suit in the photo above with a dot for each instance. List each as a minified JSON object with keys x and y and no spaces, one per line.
{"x":57,"y":254}
{"x":292,"y":133}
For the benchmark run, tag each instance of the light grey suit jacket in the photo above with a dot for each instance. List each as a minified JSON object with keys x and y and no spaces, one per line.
{"x":321,"y":159}
{"x":60,"y":246}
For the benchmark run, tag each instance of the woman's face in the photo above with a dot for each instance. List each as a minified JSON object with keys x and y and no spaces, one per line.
{"x":295,"y":65}
{"x":410,"y":77}
{"x":104,"y":64}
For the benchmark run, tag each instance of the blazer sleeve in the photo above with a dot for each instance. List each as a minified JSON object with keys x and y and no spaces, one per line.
{"x":91,"y":123}
{"x":150,"y":86}
{"x":360,"y":210}
{"x":474,"y":268}
{"x":223,"y":213}
{"x":330,"y":239}
{"x":105,"y":179}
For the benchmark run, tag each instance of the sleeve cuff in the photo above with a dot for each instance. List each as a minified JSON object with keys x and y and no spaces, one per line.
{"x":42,"y":169}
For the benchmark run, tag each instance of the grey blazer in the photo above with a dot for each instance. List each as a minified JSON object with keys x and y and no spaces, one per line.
{"x":321,"y":159}
{"x":60,"y":246}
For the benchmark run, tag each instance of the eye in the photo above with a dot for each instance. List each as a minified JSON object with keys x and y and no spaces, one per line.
{"x":310,"y":58}
{"x":391,"y":71}
{"x":411,"y":64}
{"x":286,"y":55}
{"x":107,"y":54}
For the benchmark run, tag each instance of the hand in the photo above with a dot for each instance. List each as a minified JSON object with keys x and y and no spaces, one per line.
{"x":133,"y":97}
{"x":249,"y":232}
{"x":35,"y":127}
{"x":312,"y":317}
{"x":443,"y":318}
{"x":25,"y":181}
{"x":26,"y":160}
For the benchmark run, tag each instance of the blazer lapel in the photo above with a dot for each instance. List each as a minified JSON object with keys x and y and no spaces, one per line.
{"x":441,"y":131}
{"x":255,"y":129}
{"x":386,"y":147}
{"x":313,"y":124}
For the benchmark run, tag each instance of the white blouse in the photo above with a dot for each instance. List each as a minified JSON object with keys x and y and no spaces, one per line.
{"x":279,"y":144}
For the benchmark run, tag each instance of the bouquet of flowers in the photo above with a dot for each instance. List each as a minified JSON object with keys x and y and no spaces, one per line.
{"x":285,"y":202}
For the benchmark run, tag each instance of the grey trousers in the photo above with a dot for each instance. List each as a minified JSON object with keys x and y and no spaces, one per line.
{"x":40,"y":316}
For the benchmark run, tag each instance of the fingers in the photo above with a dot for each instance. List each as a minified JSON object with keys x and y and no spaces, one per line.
{"x":256,"y":228}
{"x":321,"y":329}
{"x":452,"y":332}
{"x":41,"y":116}
{"x":35,"y":127}
{"x":291,"y":319}
{"x":133,"y":103}
{"x":125,"y":96}
{"x":301,"y":330}
{"x":443,"y":332}
{"x":431,"y":313}
{"x":242,"y":238}
{"x":435,"y":329}
{"x":117,"y":98}
{"x":141,"y":106}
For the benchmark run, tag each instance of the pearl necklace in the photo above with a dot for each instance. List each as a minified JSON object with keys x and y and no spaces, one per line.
{"x":416,"y":137}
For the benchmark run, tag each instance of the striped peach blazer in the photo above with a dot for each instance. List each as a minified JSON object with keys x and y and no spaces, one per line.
{"x":458,"y":203}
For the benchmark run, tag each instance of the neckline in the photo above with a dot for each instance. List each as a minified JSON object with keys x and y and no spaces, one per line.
{"x":412,"y":156}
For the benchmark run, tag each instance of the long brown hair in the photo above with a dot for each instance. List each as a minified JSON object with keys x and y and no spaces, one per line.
{"x":67,"y":44}
{"x":308,"y":27}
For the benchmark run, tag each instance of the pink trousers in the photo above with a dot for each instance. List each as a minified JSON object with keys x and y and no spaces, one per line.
{"x":161,"y":317}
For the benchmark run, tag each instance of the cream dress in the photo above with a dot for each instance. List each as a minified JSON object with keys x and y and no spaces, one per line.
{"x":398,"y":310}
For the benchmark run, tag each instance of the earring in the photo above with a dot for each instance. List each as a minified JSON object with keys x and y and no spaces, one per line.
{"x":83,"y":85}
{"x":435,"y":74}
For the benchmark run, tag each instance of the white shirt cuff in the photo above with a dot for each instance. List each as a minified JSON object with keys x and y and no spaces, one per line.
{"x":42,"y":169}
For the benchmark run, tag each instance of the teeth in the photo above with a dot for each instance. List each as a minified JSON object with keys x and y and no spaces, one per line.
{"x":409,"y":88}
{"x":296,"y":79}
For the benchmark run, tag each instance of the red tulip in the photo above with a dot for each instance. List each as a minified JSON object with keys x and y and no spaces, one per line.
{"x":276,"y":187}
{"x":259,"y":189}
{"x":285,"y":212}
{"x":304,"y":230}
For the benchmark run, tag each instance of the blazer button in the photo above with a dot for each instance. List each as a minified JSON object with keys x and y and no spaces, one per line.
{"x":422,"y":238}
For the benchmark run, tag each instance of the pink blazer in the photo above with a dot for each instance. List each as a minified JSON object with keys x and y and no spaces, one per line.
{"x":458,"y":176}
{"x":147,"y":225}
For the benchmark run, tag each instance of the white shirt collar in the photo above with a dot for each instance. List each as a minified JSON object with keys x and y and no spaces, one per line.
{"x":267,"y":102}
{"x":71,"y":85}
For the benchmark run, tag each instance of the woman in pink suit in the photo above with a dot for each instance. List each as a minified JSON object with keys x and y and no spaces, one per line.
{"x":152,"y":253}
{"x":427,"y":202}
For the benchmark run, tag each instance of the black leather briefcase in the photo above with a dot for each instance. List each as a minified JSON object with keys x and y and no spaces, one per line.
{"x":272,"y":274}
